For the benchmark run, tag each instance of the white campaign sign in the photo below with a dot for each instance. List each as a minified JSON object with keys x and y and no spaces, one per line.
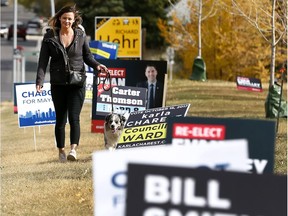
{"x":34,"y":108}
{"x":109,"y":168}
{"x":89,"y":87}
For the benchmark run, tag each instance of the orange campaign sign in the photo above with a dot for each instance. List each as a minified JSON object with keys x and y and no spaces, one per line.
{"x":125,"y":31}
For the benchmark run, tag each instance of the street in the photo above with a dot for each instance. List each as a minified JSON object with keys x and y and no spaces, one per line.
{"x":29,"y":47}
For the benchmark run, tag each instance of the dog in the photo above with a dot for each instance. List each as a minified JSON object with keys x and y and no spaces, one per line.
{"x":113,"y":127}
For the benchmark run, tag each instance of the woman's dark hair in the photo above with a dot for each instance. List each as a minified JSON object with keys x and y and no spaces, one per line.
{"x":54,"y":22}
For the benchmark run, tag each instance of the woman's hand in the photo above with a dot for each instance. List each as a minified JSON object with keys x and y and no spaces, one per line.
{"x":102,"y":68}
{"x":38,"y":88}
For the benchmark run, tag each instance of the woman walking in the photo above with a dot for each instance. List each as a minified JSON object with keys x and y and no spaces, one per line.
{"x":67,"y":48}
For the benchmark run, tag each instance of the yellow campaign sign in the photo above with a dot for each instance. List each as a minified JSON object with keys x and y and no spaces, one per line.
{"x":143,"y":133}
{"x":126,"y":31}
{"x":148,"y":127}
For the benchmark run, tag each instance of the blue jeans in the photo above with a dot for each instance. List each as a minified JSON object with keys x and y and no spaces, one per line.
{"x":67,"y":100}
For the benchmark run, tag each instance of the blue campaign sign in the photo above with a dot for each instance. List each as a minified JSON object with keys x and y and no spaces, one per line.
{"x":34,"y":108}
{"x":104,"y":50}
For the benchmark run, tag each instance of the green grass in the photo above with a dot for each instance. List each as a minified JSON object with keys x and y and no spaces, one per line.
{"x":33,"y":182}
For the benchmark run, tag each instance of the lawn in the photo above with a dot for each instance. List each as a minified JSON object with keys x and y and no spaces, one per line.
{"x":33,"y":182}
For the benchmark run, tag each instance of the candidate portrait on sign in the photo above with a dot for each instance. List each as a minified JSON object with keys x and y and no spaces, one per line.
{"x":155,"y":88}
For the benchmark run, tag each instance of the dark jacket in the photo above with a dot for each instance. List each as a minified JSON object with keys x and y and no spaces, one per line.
{"x":78,"y":53}
{"x":158,"y":92}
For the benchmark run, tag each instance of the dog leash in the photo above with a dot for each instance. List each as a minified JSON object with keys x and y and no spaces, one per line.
{"x":103,"y":81}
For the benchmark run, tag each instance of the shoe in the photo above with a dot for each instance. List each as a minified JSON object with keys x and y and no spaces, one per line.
{"x":62,"y":157}
{"x":72,"y":155}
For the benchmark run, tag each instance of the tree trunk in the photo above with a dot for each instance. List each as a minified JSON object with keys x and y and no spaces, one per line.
{"x":273,"y":45}
{"x":287,"y":35}
{"x":199,"y":29}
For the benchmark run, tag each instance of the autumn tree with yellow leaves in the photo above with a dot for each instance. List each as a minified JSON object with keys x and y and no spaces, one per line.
{"x":269,"y":18}
{"x":230,"y":46}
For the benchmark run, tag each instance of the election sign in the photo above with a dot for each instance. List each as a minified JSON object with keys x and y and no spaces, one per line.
{"x":148,"y":127}
{"x":34,"y":108}
{"x":110,"y":167}
{"x":197,"y":130}
{"x":125,"y":31}
{"x":103,"y":50}
{"x":124,"y":99}
{"x":121,"y":73}
{"x":89,"y":87}
{"x":157,"y":190}
{"x":249,"y":84}
{"x":89,"y":83}
{"x":15,"y":108}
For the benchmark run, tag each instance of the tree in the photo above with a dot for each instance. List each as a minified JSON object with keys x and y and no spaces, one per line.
{"x":90,"y":9}
{"x":269,"y":17}
{"x":42,"y":8}
{"x":230,"y":47}
{"x":150,"y":11}
{"x":196,"y":7}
